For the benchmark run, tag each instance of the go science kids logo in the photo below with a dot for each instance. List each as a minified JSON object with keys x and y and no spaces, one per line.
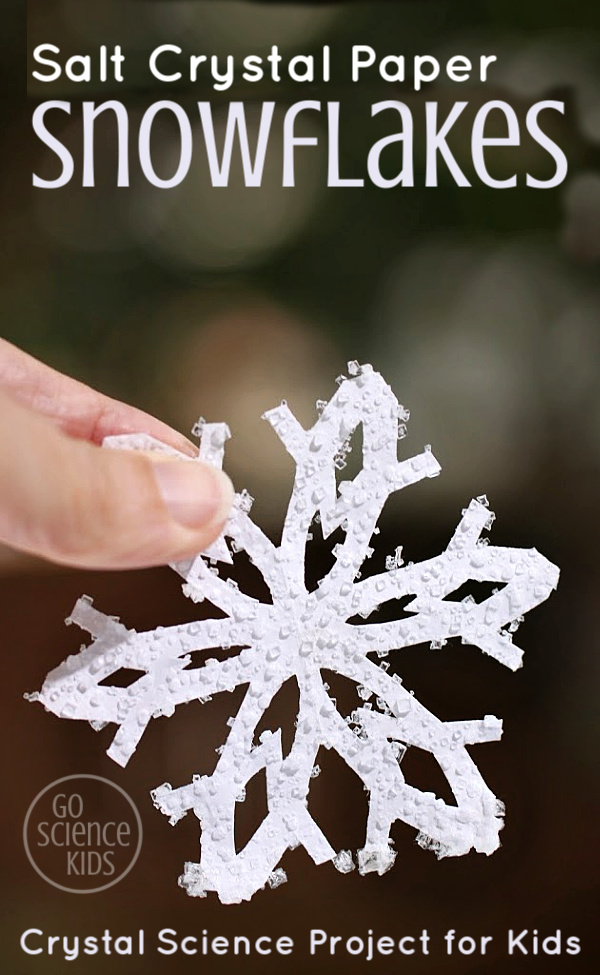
{"x":82,"y":834}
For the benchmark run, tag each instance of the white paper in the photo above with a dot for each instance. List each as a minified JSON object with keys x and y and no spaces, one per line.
{"x":300,"y":634}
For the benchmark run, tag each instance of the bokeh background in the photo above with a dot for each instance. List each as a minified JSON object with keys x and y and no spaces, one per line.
{"x":481,"y":308}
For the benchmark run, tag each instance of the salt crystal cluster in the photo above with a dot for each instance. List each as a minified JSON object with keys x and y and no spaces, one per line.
{"x":300,"y":634}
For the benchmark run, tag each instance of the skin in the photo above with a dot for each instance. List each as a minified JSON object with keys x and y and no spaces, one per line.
{"x":64,"y":498}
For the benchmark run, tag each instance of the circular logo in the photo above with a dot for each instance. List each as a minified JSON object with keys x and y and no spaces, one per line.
{"x":82,"y":834}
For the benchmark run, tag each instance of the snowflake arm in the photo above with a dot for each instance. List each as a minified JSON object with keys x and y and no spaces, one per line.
{"x":527,"y":577}
{"x":74,"y":689}
{"x":369,"y":401}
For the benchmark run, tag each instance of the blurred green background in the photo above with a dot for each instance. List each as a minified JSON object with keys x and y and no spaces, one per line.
{"x":480,"y":307}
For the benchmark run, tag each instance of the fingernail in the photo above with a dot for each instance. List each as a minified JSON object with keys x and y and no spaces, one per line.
{"x":195,"y":494}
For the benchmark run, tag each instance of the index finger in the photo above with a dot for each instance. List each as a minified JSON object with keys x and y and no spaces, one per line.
{"x":77,"y":409}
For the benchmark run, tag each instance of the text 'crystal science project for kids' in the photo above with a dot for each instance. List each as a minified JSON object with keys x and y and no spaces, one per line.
{"x":301,"y":634}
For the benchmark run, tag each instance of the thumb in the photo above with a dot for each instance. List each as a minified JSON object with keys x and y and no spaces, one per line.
{"x":74,"y":503}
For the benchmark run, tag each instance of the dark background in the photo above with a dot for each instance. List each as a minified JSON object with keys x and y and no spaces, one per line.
{"x":480,"y":307}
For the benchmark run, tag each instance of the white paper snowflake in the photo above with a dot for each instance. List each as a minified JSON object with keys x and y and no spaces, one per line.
{"x":300,"y":634}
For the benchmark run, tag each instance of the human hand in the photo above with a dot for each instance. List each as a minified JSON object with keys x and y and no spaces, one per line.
{"x":64,"y":498}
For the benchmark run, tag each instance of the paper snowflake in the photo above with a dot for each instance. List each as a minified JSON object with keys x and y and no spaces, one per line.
{"x":302,"y":633}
